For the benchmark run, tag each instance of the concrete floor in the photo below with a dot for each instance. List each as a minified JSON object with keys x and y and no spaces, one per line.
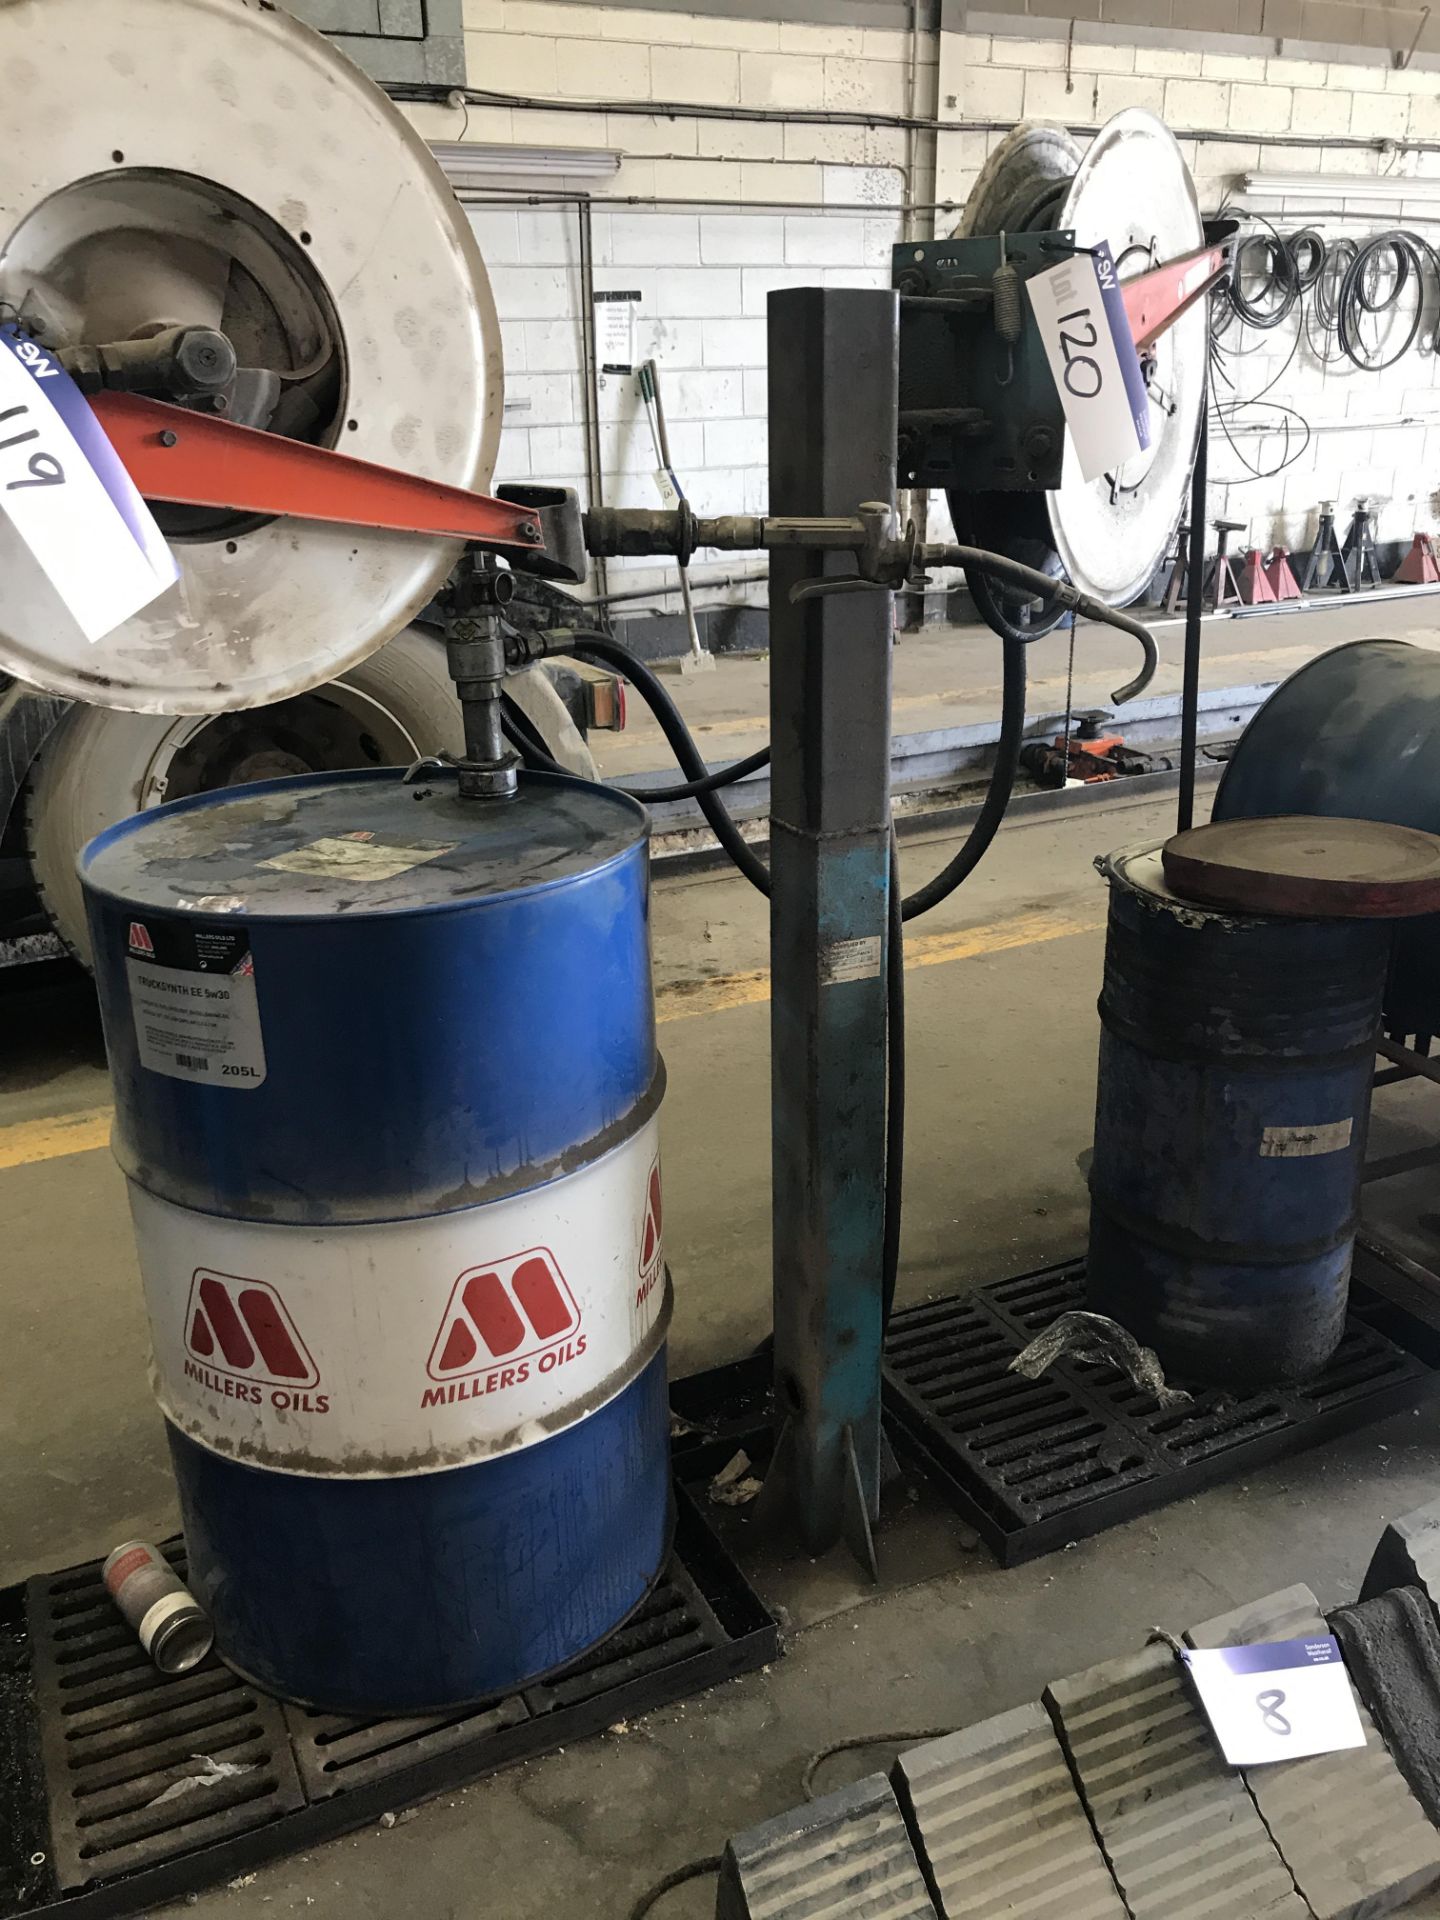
{"x":1001,"y":1009}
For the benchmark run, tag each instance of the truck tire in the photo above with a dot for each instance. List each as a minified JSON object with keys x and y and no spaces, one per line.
{"x":98,"y":765}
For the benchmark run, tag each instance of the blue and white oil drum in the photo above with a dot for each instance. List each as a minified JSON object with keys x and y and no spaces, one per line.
{"x":387,"y":1098}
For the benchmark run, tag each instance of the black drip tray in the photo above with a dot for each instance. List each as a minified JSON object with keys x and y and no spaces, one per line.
{"x":675,"y":1627}
{"x":1034,"y":1464}
{"x":118,"y":1740}
{"x":91,"y":1737}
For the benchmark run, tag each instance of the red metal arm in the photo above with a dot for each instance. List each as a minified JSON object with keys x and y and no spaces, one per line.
{"x":199,"y":461}
{"x":1156,"y":300}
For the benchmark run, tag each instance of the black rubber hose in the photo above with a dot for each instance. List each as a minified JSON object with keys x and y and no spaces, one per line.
{"x":585,"y":643}
{"x":894,"y":1089}
{"x":1356,"y":298}
{"x":1072,"y":597}
{"x":696,"y":1870}
{"x":534,"y":759}
{"x":522,"y":733}
{"x":582,"y":641}
{"x":1307,"y":253}
{"x":997,"y":794}
{"x":692,"y":789}
{"x":1279,"y":277}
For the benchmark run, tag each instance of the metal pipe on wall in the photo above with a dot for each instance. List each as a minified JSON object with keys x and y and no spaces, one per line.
{"x":838,"y":118}
{"x":594,"y":471}
{"x":823,"y":117}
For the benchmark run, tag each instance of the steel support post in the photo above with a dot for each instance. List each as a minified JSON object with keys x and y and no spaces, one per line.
{"x":833,"y":358}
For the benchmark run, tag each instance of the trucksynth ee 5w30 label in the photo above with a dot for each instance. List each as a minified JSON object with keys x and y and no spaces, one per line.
{"x":193,"y":1002}
{"x":407,"y":1346}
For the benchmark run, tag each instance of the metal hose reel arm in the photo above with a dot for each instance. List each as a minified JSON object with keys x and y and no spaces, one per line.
{"x":884,"y":556}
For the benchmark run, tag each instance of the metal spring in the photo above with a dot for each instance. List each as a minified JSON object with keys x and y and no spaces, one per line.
{"x":1009,"y":310}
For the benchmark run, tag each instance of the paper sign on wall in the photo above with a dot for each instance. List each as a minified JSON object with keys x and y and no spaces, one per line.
{"x":615,"y":331}
{"x":1080,"y":311}
{"x":1280,"y":1701}
{"x":64,"y":490}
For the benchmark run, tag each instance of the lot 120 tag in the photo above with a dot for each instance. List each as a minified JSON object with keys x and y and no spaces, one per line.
{"x":64,"y":490}
{"x":1085,"y":331}
{"x":1280,"y":1701}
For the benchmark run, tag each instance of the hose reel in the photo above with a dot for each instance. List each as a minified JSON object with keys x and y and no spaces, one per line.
{"x":1010,"y":485}
{"x":182,"y":167}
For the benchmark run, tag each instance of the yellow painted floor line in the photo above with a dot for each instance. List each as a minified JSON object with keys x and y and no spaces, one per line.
{"x":28,"y":1141}
{"x":55,"y":1136}
{"x":686,"y":999}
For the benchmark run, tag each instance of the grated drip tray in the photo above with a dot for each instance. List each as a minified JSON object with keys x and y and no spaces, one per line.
{"x":92,"y":1739}
{"x":1033,"y":1464}
{"x":118,"y":1739}
{"x":334,"y":1753}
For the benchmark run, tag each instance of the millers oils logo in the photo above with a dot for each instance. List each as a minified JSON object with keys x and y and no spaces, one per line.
{"x":242,"y":1343}
{"x":651,"y":1260}
{"x":140,"y":941}
{"x":520,"y":1311}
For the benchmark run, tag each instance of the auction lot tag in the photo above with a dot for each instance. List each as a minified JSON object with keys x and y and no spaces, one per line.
{"x":65,"y":491}
{"x":1080,"y":311}
{"x":1279,"y":1701}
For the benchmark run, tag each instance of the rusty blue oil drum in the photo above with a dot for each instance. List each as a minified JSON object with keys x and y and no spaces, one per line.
{"x":1236,"y":1056}
{"x":387,"y":1097}
{"x":1355,"y":733}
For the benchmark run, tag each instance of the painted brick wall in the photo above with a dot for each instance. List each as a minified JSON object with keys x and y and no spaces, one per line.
{"x":577,"y":53}
{"x":1387,"y":25}
{"x":703,"y":277}
{"x":704,"y":269}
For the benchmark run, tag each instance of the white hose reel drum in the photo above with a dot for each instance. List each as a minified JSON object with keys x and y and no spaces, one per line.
{"x":1130,"y":188}
{"x":215,"y":163}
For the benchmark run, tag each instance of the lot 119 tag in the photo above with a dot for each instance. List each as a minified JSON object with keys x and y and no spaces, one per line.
{"x":1279,"y":1701}
{"x":67,"y":495}
{"x":1085,"y":331}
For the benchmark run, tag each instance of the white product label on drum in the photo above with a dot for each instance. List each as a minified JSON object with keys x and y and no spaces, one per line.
{"x":1301,"y":1143}
{"x":409,"y":1346}
{"x":193,"y":1002}
{"x":357,"y":856}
